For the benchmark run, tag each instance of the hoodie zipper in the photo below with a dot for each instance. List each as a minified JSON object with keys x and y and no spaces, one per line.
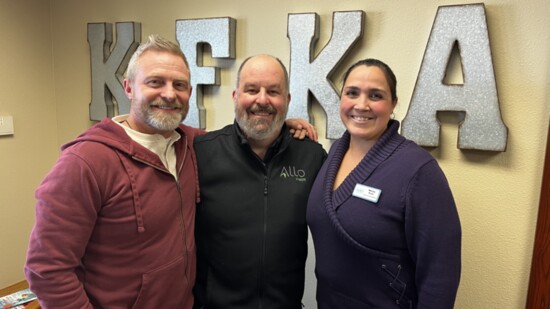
{"x":182,"y":217}
{"x":180,"y":193}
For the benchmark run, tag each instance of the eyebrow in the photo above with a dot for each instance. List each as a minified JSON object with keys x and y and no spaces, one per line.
{"x":370,"y":89}
{"x":183,"y":81}
{"x":156,"y":76}
{"x":245,"y":85}
{"x":278,"y":86}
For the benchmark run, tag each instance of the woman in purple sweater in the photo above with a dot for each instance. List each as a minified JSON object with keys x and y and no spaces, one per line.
{"x":384,"y":222}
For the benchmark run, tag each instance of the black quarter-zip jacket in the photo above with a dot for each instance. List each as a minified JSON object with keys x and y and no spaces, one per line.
{"x":251,"y":228}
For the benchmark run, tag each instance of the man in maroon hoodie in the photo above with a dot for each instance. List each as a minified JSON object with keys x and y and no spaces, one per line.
{"x":115,"y":216}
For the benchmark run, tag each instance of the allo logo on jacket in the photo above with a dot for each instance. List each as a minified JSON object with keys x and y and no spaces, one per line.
{"x":292,"y":172}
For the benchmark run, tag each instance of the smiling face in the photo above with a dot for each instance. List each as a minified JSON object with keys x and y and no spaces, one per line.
{"x":366,"y":103}
{"x":261,"y":98}
{"x":159,"y":93}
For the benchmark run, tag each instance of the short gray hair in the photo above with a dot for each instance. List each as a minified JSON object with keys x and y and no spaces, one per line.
{"x":156,"y":43}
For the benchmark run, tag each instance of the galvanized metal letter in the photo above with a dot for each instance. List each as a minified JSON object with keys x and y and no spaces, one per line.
{"x":108,"y":67}
{"x":219,"y":33}
{"x":482,"y":128}
{"x":312,"y":76}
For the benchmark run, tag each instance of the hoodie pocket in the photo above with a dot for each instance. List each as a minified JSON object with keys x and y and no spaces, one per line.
{"x":166,"y":285}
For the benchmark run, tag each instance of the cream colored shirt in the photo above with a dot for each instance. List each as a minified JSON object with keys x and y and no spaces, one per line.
{"x":158,"y":144}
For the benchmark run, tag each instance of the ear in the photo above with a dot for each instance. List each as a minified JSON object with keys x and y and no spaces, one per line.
{"x":127,"y":88}
{"x":234,"y":95}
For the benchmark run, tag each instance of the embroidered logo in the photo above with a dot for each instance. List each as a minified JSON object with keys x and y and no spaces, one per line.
{"x":292,"y":172}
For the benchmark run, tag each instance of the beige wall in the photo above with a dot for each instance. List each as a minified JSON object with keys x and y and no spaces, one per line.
{"x":45,"y":82}
{"x":27,"y":88}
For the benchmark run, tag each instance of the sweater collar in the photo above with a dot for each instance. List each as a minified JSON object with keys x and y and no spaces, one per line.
{"x":384,"y":147}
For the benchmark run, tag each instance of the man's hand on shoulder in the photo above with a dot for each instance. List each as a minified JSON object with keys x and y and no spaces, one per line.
{"x":301,"y":128}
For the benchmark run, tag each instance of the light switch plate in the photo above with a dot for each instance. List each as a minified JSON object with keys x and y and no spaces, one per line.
{"x":6,"y":125}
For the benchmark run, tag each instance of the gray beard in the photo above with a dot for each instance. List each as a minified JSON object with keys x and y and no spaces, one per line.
{"x":163,"y":122}
{"x":260,"y":129}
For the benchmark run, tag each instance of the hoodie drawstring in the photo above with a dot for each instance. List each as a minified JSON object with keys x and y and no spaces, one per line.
{"x":135,"y":196}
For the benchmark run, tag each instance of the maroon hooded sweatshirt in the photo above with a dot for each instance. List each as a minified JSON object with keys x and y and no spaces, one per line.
{"x":114,"y":229}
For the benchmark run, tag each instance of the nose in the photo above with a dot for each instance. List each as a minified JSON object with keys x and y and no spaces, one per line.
{"x":363,"y":103}
{"x":262,"y":97}
{"x":168,"y":93}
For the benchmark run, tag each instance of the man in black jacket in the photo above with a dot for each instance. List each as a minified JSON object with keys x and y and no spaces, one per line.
{"x":254,"y":181}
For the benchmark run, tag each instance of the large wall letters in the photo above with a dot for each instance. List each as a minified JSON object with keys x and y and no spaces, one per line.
{"x":464,"y":26}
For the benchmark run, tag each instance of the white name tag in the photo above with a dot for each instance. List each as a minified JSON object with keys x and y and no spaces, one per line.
{"x":366,"y":193}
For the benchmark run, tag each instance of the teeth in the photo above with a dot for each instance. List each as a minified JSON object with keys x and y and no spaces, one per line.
{"x":360,"y":118}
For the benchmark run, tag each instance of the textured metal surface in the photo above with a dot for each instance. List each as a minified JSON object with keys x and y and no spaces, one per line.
{"x":192,"y":34}
{"x":482,"y":128}
{"x":107,"y":67}
{"x":312,"y":76}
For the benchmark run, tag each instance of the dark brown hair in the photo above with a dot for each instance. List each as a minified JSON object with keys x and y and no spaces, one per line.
{"x":390,"y":77}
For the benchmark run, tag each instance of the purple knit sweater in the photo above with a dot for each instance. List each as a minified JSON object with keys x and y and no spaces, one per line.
{"x":400,"y":250}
